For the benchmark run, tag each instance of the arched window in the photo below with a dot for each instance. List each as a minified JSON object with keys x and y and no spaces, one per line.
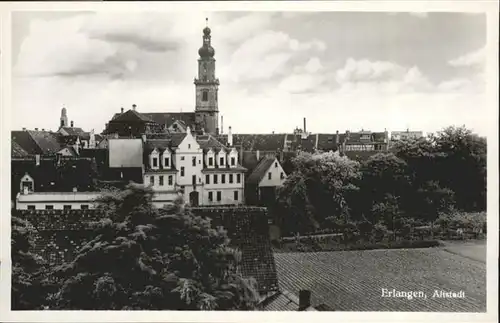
{"x":204,"y":95}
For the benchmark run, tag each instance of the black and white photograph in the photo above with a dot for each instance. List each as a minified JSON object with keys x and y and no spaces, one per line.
{"x":238,"y":160}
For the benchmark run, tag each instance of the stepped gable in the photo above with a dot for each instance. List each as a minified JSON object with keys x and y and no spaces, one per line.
{"x":248,"y":230}
{"x":260,"y":170}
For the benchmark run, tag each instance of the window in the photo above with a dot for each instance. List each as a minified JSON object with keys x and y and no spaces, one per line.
{"x":236,"y":195}
{"x":189,"y":146}
{"x":170,"y":180}
{"x":167,"y":162}
{"x":219,"y":196}
{"x":207,"y":179}
{"x":210,"y":196}
{"x":210,"y":161}
{"x":28,"y":184}
{"x":49,"y":207}
{"x":152,"y":180}
{"x":67,"y":207}
{"x":161,"y":180}
{"x":230,"y":178}
{"x":193,"y":179}
{"x":216,"y":96}
{"x":282,"y":176}
{"x":233,"y":161}
{"x":238,"y":178}
{"x":223,"y":179}
{"x":31,"y":207}
{"x":269,"y":175}
{"x":182,"y":171}
{"x":84,"y":207}
{"x":194,"y":161}
{"x":275,"y":164}
{"x":215,"y":179}
{"x":182,"y":157}
{"x":155,"y":162}
{"x":221,"y":161}
{"x":204,"y":96}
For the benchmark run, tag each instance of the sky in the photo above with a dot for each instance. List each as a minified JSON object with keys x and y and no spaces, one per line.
{"x":340,"y":70}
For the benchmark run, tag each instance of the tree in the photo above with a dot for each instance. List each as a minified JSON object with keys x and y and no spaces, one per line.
{"x":317,"y":190}
{"x":148,"y":258}
{"x":27,"y":291}
{"x":385,"y":180}
{"x":463,"y":167}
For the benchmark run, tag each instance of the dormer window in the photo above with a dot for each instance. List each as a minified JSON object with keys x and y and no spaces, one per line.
{"x":210,"y":161}
{"x":221,"y":161}
{"x":233,"y":161}
{"x":27,"y":183}
{"x":155,"y":162}
{"x":166,"y":162}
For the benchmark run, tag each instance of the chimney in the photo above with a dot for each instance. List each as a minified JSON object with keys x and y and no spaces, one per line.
{"x":24,"y":129}
{"x":258,"y":155}
{"x":36,"y":129}
{"x":337,"y":137}
{"x":122,"y":110}
{"x":229,"y":137}
{"x":304,"y":299}
{"x":305,"y":129}
{"x":134,"y":106}
{"x":43,"y":129}
{"x":72,"y":124}
{"x":216,"y":131}
{"x":37,"y":160}
{"x":221,"y":125}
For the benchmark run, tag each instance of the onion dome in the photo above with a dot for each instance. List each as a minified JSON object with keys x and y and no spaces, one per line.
{"x":206,"y":31}
{"x":206,"y":51}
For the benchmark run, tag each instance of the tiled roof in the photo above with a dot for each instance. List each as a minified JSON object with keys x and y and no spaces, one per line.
{"x":260,"y":170}
{"x":327,"y":142}
{"x":283,"y":301}
{"x":17,"y":150}
{"x":208,"y":142}
{"x":248,"y":231}
{"x":54,"y":176}
{"x":73,"y":131}
{"x":130,"y":115}
{"x":264,"y":142}
{"x":168,"y":118}
{"x":36,"y":142}
{"x":249,"y":160}
{"x":352,"y":280}
{"x":172,"y":140}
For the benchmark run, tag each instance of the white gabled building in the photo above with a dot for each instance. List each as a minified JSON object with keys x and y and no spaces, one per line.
{"x":203,"y":169}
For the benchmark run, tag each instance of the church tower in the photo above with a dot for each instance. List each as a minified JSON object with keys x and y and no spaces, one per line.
{"x":207,"y":86}
{"x":63,"y":121}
